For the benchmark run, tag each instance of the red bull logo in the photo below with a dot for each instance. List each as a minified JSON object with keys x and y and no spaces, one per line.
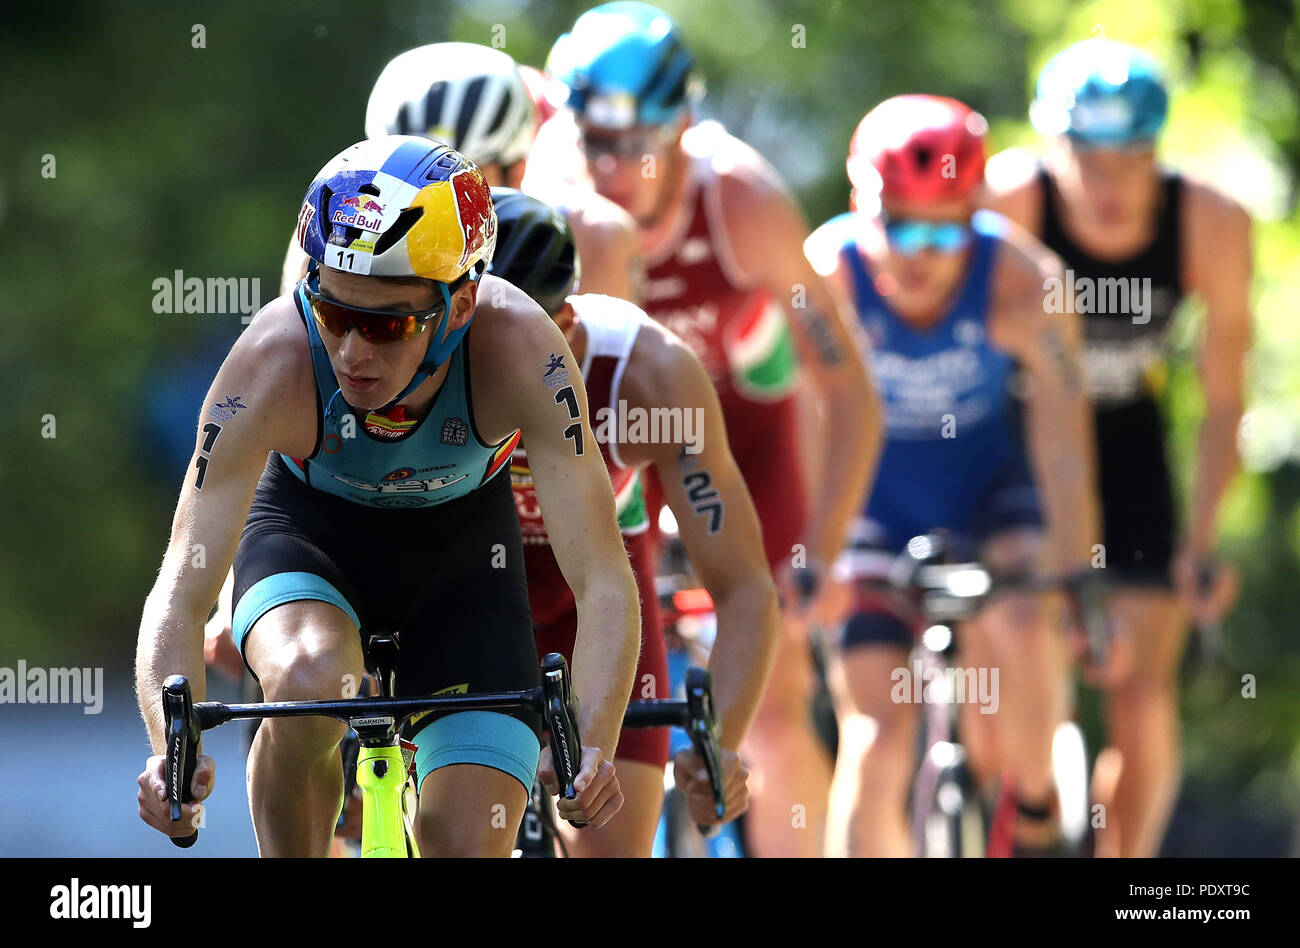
{"x":360,"y":210}
{"x":456,"y":226}
{"x":474,"y":205}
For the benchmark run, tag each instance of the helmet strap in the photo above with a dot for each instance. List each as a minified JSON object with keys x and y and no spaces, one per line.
{"x":438,"y":351}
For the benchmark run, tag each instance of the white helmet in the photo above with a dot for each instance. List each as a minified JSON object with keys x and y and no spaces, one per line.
{"x":467,"y":96}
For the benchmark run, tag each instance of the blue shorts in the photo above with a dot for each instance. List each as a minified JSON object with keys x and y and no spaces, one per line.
{"x":1009,"y":502}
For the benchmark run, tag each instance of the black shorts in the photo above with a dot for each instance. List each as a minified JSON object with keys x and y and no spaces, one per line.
{"x":1137,"y":498}
{"x":448,"y":579}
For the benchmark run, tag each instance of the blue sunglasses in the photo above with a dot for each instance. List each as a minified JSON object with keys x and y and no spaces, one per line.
{"x":909,"y":236}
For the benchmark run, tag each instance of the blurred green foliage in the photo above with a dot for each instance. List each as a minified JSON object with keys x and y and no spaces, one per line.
{"x":174,"y":157}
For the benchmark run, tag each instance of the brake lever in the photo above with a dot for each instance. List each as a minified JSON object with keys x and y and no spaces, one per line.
{"x":1090,"y":597}
{"x":702,"y":728}
{"x":566,"y":747}
{"x":182,"y":732}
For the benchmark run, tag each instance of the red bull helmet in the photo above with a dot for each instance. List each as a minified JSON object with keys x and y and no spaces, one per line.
{"x":402,"y":206}
{"x":399,"y":206}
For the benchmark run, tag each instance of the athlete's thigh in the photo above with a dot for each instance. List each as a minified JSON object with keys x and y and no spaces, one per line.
{"x":873,"y":680}
{"x":473,"y":632}
{"x":1155,"y":626}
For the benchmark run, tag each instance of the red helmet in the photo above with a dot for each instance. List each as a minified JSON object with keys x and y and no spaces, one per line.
{"x":918,"y":148}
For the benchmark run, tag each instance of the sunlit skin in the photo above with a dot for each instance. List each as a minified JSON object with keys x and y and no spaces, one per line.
{"x":918,"y":288}
{"x":1110,"y":196}
{"x":503,"y":176}
{"x":648,"y":173}
{"x":623,"y":178}
{"x":372,"y":375}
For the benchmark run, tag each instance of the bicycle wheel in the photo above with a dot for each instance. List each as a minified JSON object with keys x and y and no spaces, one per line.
{"x":950,"y":820}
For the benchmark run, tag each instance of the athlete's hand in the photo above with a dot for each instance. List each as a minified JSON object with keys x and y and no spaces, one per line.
{"x":152,"y":797}
{"x":1206,"y":598}
{"x":1101,"y":672}
{"x":599,"y":796}
{"x":693,"y":780}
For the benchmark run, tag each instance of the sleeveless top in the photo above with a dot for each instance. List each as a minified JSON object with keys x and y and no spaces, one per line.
{"x":439,"y":458}
{"x":945,"y":389}
{"x":695,"y":288}
{"x":1129,"y":304}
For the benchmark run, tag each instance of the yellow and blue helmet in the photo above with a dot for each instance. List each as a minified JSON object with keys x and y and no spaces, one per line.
{"x":399,"y":206}
{"x":402,"y":206}
{"x":1101,"y":93}
{"x":625,"y":64}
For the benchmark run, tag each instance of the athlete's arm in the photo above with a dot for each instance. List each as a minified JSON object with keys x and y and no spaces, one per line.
{"x":767,"y":233}
{"x":715,"y":518}
{"x":514,"y":347}
{"x":608,"y":255}
{"x":1058,"y":423}
{"x":1219,"y":270}
{"x":265,"y":371}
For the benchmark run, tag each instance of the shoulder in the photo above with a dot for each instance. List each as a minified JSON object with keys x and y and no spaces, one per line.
{"x":588,"y":212}
{"x":508,"y":325}
{"x":274,"y":352}
{"x":1210,"y":211}
{"x":746,"y":179}
{"x":602,"y":231}
{"x":1022,"y":279}
{"x":1216,"y":240}
{"x":1022,"y":263}
{"x":270,"y":369}
{"x":823,"y":246}
{"x":661,"y":370}
{"x":1011,"y":186}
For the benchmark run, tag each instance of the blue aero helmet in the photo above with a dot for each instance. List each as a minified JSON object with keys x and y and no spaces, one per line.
{"x":1101,"y":93}
{"x":625,"y":64}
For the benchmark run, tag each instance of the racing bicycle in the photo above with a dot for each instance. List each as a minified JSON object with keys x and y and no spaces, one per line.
{"x":383,"y":766}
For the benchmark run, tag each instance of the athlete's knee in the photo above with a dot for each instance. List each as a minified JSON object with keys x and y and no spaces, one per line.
{"x":1142,"y":694}
{"x":877,"y":749}
{"x":463,"y":836}
{"x":300,"y":671}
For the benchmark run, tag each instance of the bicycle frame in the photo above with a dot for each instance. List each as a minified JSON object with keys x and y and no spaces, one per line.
{"x":947,"y":593}
{"x":381,"y":767}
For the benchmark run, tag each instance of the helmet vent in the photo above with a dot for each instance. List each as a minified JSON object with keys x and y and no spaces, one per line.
{"x":405,"y":221}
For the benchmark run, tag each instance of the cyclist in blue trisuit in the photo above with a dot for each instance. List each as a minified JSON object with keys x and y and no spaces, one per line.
{"x":386,"y":504}
{"x":950,"y":303}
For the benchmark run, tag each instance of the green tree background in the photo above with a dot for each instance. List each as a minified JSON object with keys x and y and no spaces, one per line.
{"x":167,"y":156}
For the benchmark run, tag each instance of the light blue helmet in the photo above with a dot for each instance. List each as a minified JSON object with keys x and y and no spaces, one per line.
{"x":625,"y":64}
{"x":1100,"y":92}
